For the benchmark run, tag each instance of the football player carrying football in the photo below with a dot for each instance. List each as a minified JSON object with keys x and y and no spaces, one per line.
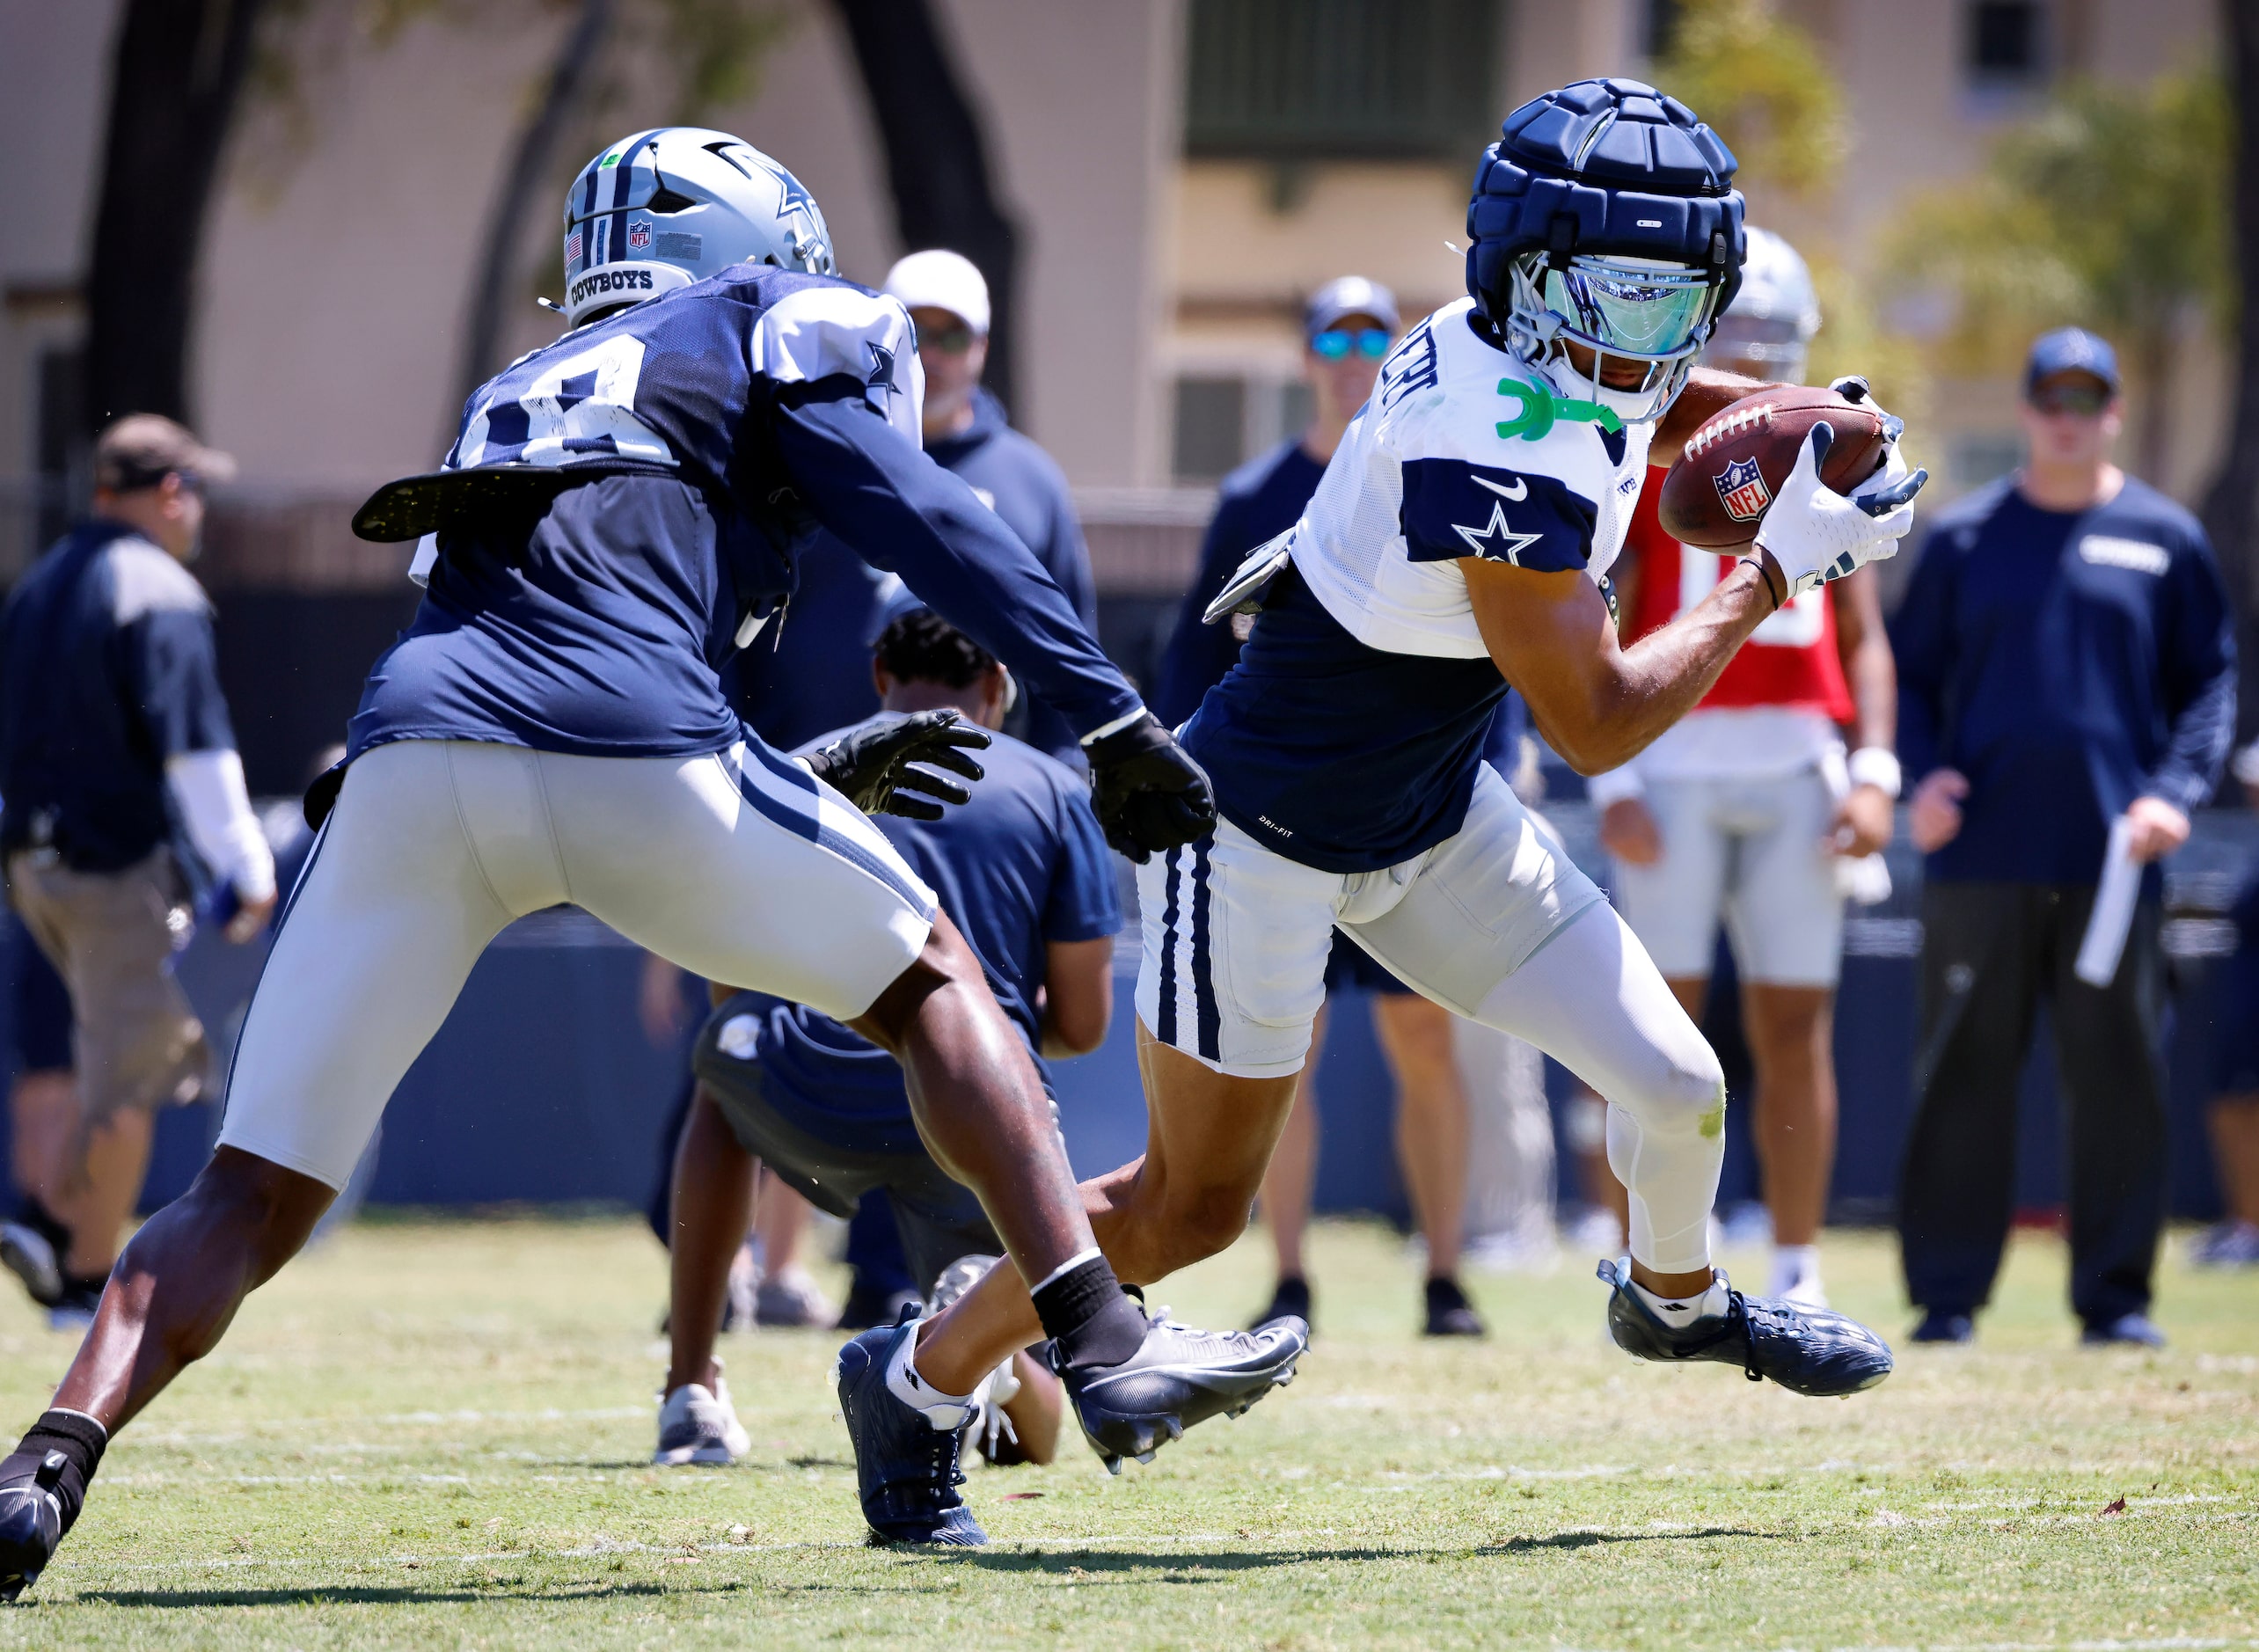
{"x":1458,"y":542}
{"x":618,"y":518}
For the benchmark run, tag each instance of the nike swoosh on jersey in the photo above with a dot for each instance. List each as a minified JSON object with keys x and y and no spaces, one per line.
{"x":1520,"y":489}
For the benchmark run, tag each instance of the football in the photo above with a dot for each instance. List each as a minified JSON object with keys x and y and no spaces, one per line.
{"x":1718,"y":493}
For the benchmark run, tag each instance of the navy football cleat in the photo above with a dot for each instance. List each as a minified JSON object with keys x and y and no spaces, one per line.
{"x":1177,"y":1377}
{"x":30,"y":1525}
{"x":906,"y":1469}
{"x":1814,"y":1351}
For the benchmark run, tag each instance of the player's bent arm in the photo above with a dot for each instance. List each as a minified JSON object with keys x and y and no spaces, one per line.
{"x":1864,"y":647}
{"x":1078,"y":994}
{"x":1596,"y":703}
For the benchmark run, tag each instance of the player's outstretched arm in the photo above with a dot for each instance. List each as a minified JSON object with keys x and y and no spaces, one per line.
{"x":876,"y":763}
{"x":872,"y":485}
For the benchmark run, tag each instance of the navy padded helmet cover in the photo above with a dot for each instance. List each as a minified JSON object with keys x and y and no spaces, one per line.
{"x":1620,"y":168}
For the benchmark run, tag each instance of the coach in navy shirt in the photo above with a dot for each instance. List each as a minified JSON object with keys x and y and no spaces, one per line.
{"x":1025,"y":871}
{"x":2066,"y":658}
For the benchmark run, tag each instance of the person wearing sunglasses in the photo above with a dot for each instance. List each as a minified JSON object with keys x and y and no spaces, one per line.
{"x":2066,"y":666}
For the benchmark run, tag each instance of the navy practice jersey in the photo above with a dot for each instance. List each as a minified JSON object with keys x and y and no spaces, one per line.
{"x":2066,"y":662}
{"x":1020,"y":866}
{"x":719,"y":426}
{"x":1347,"y":736}
{"x":107,"y":668}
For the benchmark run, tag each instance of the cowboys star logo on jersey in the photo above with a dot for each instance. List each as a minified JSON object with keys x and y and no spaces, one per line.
{"x":1452,"y":509}
{"x":1742,"y":490}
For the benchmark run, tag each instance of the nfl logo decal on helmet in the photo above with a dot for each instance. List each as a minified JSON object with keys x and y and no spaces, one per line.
{"x":1742,"y":490}
{"x":674,"y":205}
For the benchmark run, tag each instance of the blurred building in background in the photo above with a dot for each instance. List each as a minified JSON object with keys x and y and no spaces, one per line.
{"x":1180,"y":173}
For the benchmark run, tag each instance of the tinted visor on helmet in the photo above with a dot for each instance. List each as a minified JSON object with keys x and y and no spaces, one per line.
{"x":1641,"y":308}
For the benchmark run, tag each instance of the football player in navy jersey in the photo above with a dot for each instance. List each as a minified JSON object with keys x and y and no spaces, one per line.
{"x":616,"y":519}
{"x":1458,"y":542}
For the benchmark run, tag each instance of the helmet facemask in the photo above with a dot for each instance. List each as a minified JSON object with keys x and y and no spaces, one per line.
{"x":1651,"y":311}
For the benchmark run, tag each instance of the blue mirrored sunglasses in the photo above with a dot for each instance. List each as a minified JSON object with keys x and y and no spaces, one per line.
{"x":1335,"y":342}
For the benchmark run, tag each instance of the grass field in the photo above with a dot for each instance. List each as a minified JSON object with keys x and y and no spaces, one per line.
{"x":435,"y":1435}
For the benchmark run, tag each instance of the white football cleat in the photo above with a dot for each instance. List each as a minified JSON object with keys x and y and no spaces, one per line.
{"x":697,"y":1425}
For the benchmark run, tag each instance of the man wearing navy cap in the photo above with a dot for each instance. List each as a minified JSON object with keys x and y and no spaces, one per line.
{"x":2066,"y":661}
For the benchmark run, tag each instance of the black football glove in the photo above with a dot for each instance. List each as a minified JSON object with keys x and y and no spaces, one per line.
{"x":872,"y":763}
{"x":1149,"y":795}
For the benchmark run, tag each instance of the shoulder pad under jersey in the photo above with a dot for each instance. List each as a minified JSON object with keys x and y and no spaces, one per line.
{"x":829,"y":328}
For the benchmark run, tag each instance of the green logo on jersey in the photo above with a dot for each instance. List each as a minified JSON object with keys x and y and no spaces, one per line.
{"x":1541,"y":409}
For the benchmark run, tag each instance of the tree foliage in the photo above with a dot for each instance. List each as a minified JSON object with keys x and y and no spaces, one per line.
{"x":2108,"y":209}
{"x":1762,"y":84}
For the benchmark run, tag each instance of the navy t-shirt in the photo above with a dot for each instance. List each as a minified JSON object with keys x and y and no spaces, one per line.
{"x":812,"y":673}
{"x":2066,"y":662}
{"x":107,"y":668}
{"x":1020,"y":866}
{"x":1019,"y":481}
{"x":1256,"y":503}
{"x":721,"y":427}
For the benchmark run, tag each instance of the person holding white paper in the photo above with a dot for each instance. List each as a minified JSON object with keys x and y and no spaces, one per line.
{"x":2066,"y":675}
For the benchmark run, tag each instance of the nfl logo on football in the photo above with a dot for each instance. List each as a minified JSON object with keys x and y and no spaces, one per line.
{"x":638,"y":235}
{"x":1741,"y":485}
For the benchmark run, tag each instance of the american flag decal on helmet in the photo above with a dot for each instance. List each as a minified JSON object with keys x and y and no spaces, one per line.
{"x":1742,"y":489}
{"x":573,"y":251}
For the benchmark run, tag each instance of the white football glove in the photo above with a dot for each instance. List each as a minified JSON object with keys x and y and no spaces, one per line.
{"x":1815,"y":534}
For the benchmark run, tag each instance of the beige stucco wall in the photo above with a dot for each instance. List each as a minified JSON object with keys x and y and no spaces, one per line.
{"x":1243,"y":259}
{"x":337,"y":263}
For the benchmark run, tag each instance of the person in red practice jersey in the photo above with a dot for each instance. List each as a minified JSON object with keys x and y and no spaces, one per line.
{"x":1749,"y":811}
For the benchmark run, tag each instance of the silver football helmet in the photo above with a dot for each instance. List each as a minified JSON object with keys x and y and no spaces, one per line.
{"x":1770,"y":325}
{"x":674,"y":205}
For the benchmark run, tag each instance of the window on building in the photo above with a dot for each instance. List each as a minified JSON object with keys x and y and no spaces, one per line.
{"x":1659,"y":21}
{"x":1223,"y":421}
{"x":2005,"y":41}
{"x":1211,"y":417}
{"x":1313,"y":79}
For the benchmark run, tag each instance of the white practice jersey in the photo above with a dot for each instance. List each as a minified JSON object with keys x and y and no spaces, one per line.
{"x":1464,"y":450}
{"x":1348,"y":735}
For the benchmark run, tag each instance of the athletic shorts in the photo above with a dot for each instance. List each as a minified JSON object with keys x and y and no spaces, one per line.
{"x":737,"y":866}
{"x":112,"y":937}
{"x":1753,"y":853}
{"x":1236,"y":935}
{"x":939,"y":1219}
{"x":1349,"y":966}
{"x":39,"y":1006}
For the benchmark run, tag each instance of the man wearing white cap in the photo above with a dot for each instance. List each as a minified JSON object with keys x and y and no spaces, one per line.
{"x":966,"y":432}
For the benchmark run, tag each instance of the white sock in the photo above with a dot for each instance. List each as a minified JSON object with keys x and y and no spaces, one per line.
{"x":1793,"y":1265}
{"x":1681,"y":1311}
{"x":944,"y":1411}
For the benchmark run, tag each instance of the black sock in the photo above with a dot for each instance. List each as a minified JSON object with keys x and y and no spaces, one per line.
{"x":72,"y":1435}
{"x":40,"y":1220}
{"x":1089,"y":1318}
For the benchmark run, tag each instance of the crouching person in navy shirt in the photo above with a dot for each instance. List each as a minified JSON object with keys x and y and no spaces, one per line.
{"x":2065,"y":661}
{"x":1024,"y":870}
